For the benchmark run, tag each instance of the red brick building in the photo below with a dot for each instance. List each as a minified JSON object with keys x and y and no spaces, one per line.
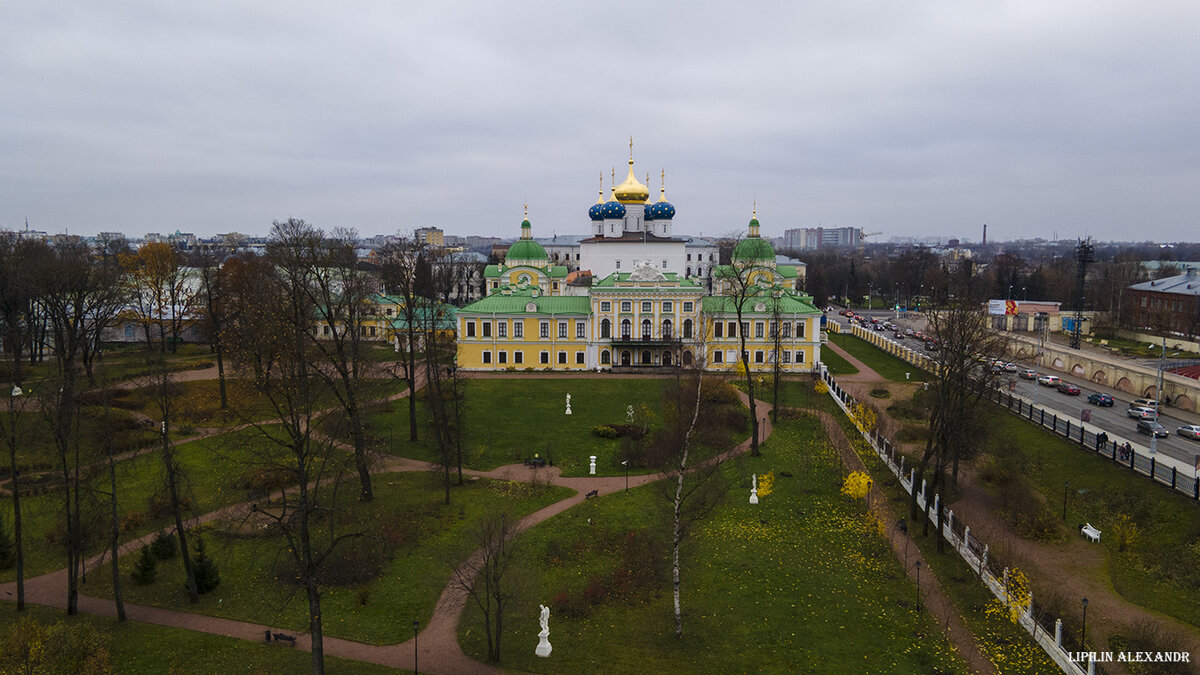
{"x":1171,"y":304}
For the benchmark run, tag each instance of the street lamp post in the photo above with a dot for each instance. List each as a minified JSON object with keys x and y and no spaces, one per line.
{"x":1066,"y":486}
{"x":918,"y":563}
{"x":416,"y":625}
{"x":1083,"y":632}
{"x":625,"y":463}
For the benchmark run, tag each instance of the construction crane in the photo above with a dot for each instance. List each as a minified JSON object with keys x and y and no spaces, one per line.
{"x":862,"y":239}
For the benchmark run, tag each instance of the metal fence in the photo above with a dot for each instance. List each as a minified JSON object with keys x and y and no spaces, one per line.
{"x":1178,"y":475}
{"x":970,"y":548}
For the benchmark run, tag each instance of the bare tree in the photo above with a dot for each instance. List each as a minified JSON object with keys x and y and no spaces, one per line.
{"x":445,"y":390}
{"x":165,"y":297}
{"x":75,"y":291}
{"x":400,"y":262}
{"x":325,"y":269}
{"x":741,"y":288}
{"x":962,"y":380}
{"x":207,"y":264}
{"x":268,"y":342}
{"x":484,"y":576}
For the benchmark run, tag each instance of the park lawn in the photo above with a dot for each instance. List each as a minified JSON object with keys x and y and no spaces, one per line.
{"x":147,"y":648}
{"x":407,"y":506}
{"x":211,"y":470}
{"x":35,"y":438}
{"x":876,"y":359}
{"x":1002,"y":641}
{"x":836,"y":364}
{"x":198,"y":403}
{"x":511,"y":419}
{"x":1161,"y":570}
{"x":802,"y":582}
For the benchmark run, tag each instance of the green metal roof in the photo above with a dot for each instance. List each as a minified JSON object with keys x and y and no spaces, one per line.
{"x":754,"y":248}
{"x":788,"y":304}
{"x":787,"y":271}
{"x":552,"y":271}
{"x":445,"y":317}
{"x":528,"y":249}
{"x":499,"y":303}
{"x":613,"y":279}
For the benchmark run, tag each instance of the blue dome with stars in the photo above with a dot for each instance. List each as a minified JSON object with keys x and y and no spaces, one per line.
{"x":612,"y":209}
{"x":648,"y":213}
{"x":661,"y":211}
{"x":596,"y":212}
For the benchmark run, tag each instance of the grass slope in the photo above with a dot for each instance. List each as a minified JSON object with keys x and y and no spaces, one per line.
{"x":802,"y":582}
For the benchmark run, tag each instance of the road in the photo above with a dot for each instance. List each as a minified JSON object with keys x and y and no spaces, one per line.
{"x":1114,"y":421}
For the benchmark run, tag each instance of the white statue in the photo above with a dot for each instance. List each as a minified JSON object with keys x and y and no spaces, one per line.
{"x":543,"y":647}
{"x":754,"y":489}
{"x":629,"y":414}
{"x":568,"y":404}
{"x":592,"y":466}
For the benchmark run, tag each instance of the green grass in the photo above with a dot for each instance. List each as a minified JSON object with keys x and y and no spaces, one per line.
{"x":146,"y":648}
{"x":407,"y":507}
{"x":836,"y":364}
{"x":888,"y":366}
{"x":211,"y":470}
{"x":801,"y":582}
{"x":198,"y":403}
{"x":1162,"y":569}
{"x":508,"y":420}
{"x":1003,"y":642}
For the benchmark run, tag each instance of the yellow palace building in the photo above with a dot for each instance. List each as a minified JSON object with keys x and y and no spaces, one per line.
{"x":641,"y":315}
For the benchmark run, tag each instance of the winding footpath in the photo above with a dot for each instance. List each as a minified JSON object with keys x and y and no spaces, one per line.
{"x":439,"y":650}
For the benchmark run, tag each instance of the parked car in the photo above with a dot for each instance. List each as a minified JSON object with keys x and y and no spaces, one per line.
{"x":1101,"y":399}
{"x":1068,"y":389}
{"x":1191,"y":431}
{"x":1152,"y":428}
{"x":1028,"y":374}
{"x":1048,"y":380}
{"x":1142,"y":413}
{"x":1144,"y":403}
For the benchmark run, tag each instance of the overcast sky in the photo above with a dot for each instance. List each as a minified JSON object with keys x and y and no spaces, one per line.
{"x":910,"y":119}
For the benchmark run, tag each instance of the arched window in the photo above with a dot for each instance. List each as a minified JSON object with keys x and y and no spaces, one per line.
{"x":666,"y":329}
{"x":604,"y":357}
{"x":666,"y":358}
{"x":689,"y":272}
{"x":687,"y":358}
{"x":687,"y":328}
{"x":606,"y":329}
{"x":626,"y":328}
{"x":625,"y":358}
{"x":646,"y":358}
{"x":645,"y":329}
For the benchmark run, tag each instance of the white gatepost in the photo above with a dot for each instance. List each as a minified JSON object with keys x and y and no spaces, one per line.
{"x":1029,"y":609}
{"x":1058,"y":633}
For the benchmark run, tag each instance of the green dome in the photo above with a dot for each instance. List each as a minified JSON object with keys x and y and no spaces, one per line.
{"x":754,"y":248}
{"x":526,"y":249}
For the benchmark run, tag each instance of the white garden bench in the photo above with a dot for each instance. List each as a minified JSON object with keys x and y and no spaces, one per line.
{"x":1091,"y":533}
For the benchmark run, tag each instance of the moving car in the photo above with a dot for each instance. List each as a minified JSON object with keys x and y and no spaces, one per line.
{"x":1152,"y":428}
{"x":1142,"y":413}
{"x":1028,"y":374}
{"x":1144,"y":403}
{"x":1101,"y":399}
{"x":1011,"y":367}
{"x":1191,"y":431}
{"x":1068,"y":389}
{"x":1048,"y":380}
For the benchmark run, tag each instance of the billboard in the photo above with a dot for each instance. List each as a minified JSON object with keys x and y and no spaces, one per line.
{"x":1003,"y":307}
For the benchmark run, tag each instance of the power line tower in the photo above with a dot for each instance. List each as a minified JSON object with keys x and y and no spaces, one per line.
{"x":1085,"y":254}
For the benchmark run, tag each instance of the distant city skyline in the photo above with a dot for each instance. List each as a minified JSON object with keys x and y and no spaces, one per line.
{"x":924,"y":121}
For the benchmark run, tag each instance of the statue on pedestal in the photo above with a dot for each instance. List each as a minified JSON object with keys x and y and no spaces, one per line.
{"x":543,"y":648}
{"x":754,"y":489}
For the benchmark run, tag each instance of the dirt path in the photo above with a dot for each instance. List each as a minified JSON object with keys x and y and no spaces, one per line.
{"x":436,"y":646}
{"x":934,"y":599}
{"x":864,"y":374}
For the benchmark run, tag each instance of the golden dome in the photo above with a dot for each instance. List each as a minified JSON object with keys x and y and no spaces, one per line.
{"x":632,"y":191}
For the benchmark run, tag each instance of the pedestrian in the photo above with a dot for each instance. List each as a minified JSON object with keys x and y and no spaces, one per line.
{"x":1102,"y":441}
